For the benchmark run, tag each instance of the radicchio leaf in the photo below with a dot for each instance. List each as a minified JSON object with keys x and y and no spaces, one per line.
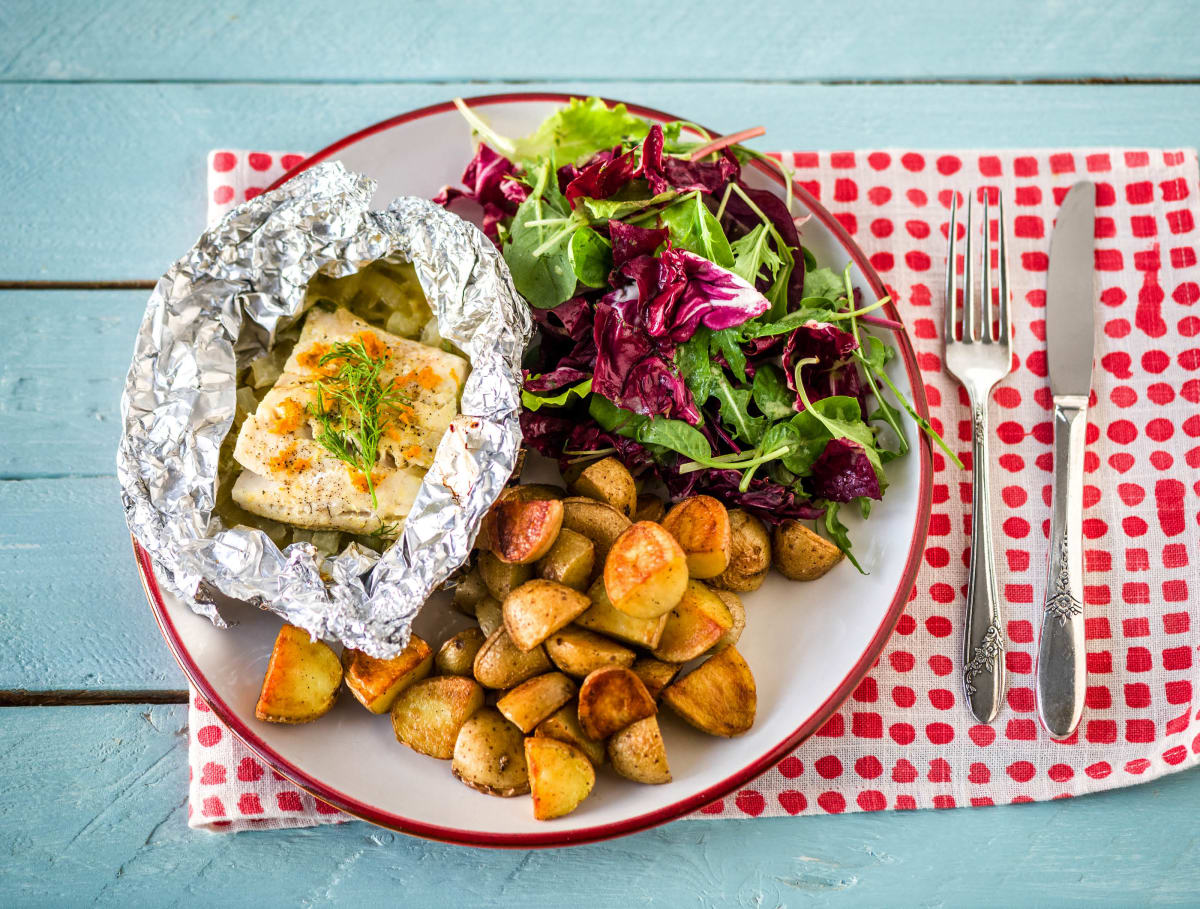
{"x":486,"y":183}
{"x":828,"y":343}
{"x":668,"y":172}
{"x":843,"y":473}
{"x":739,"y":213}
{"x":629,"y":242}
{"x":765,"y":499}
{"x":632,"y":373}
{"x":602,"y":178}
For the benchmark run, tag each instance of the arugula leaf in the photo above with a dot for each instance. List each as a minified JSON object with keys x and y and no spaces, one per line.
{"x":727,"y":342}
{"x":591,"y":257}
{"x":543,"y":276}
{"x":771,"y":394}
{"x":842,"y":418}
{"x":839,"y":533}
{"x":677,"y":436}
{"x":693,"y":361}
{"x":788,"y":323}
{"x":613,"y":418}
{"x":533,"y":401}
{"x":735,"y":411}
{"x":825,"y":283}
{"x":752,"y":253}
{"x":694,"y":228}
{"x":607,"y":209}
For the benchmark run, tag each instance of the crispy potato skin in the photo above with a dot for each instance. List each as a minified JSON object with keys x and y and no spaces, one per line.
{"x":577,"y":651}
{"x":302,"y":679}
{"x":638,"y":752}
{"x":501,"y":664}
{"x":499,"y":577}
{"x":428,"y":715}
{"x":603,"y":618}
{"x":538,"y":608}
{"x":611,"y":699}
{"x":740,"y":583}
{"x":749,"y":555}
{"x":532,"y":492}
{"x":570,"y":561}
{"x":563,"y":725}
{"x":489,"y":755}
{"x":697,"y":622}
{"x":599,"y":522}
{"x":655,"y":674}
{"x":519,"y":532}
{"x":469,"y":590}
{"x":649,"y":508}
{"x":456,"y":656}
{"x":535,"y":699}
{"x":608,"y":481}
{"x":560,"y":776}
{"x":719,"y":697}
{"x":376,"y":683}
{"x":736,"y":609}
{"x":701,"y":525}
{"x":802,"y":554}
{"x":645,"y":573}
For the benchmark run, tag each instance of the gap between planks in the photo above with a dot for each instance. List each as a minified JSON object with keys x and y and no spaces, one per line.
{"x":659,"y":80}
{"x":77,"y":285}
{"x":81,"y":697}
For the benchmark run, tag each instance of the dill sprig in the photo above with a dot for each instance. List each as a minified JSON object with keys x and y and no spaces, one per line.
{"x":352,"y":407}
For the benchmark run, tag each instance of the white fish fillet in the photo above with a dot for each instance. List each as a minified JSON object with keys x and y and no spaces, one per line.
{"x":289,"y":477}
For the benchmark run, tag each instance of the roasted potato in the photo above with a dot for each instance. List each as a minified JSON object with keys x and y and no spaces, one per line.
{"x":538,"y":608}
{"x":302,"y":679}
{"x":607,"y":481}
{"x":456,"y":656}
{"x":604,"y":618}
{"x":649,"y":508}
{"x":578,"y":652}
{"x":560,"y":776}
{"x":749,"y":553}
{"x":428,"y":715}
{"x":501,"y":578}
{"x":734,"y":604}
{"x":697,"y":622}
{"x":655,"y":674}
{"x":532,"y":492}
{"x":600,"y":523}
{"x":802,"y":554}
{"x":563,"y":725}
{"x":646,"y":571}
{"x":719,"y":697}
{"x":535,"y":699}
{"x":570,"y":561}
{"x":469,"y":590}
{"x":376,"y":683}
{"x":638,"y":753}
{"x":501,"y":664}
{"x":701,"y":525}
{"x":519,"y":532}
{"x":611,"y":699}
{"x":489,"y":614}
{"x":489,"y":755}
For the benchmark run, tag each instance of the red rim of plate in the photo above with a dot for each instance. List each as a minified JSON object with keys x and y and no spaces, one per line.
{"x":684,"y":806}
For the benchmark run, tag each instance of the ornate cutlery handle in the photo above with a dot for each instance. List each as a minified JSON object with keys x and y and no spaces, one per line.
{"x":983,"y":643}
{"x":1061,"y":670}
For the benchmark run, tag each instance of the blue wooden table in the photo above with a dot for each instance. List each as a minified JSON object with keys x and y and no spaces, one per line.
{"x":106,"y":112}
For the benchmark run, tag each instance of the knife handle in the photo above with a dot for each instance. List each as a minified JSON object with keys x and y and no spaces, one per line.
{"x":983,"y":641}
{"x":1061,"y":668}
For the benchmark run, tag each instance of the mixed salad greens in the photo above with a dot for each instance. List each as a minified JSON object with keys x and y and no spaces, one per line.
{"x":684,"y":328}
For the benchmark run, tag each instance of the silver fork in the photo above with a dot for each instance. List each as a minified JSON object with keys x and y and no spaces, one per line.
{"x":980,"y":359}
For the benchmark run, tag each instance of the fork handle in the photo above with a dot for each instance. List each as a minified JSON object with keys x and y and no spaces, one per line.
{"x":983,"y":642}
{"x":1061,"y":668}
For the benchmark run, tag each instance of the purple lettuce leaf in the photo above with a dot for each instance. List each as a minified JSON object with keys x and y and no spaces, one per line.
{"x":765,"y":499}
{"x":739,"y":214}
{"x":485,"y":179}
{"x":664,"y":172}
{"x":602,"y":178}
{"x":629,"y":242}
{"x":632,"y":373}
{"x":843,"y":472}
{"x":828,"y":343}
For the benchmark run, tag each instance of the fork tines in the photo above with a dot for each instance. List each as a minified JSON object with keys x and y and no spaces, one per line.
{"x":980,"y":319}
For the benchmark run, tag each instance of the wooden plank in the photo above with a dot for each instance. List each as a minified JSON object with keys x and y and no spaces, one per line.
{"x":118,"y":194}
{"x":93,"y":810}
{"x":826,"y":39}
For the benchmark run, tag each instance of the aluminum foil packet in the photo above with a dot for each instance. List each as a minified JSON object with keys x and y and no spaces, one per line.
{"x":218,"y":308}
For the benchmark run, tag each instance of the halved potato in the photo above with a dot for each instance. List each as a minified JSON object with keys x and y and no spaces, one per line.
{"x":501,"y":578}
{"x":701,"y":525}
{"x":743,"y":583}
{"x":428,"y":715}
{"x":570,"y":561}
{"x":694,"y":625}
{"x":655,"y":674}
{"x":535,"y":699}
{"x":599,"y":522}
{"x":649,"y":508}
{"x":608,"y":481}
{"x":749,"y":553}
{"x":736,"y":609}
{"x":646,"y":571}
{"x":578,"y":652}
{"x":489,"y":755}
{"x":302,"y":679}
{"x":560,"y":776}
{"x":563,"y":725}
{"x":532,"y":492}
{"x":501,"y":664}
{"x":456,"y":656}
{"x":538,"y":608}
{"x":604,"y":618}
{"x":376,"y":683}
{"x":638,"y":753}
{"x":719,"y":697}
{"x":802,"y":554}
{"x":489,"y":614}
{"x":519,"y":532}
{"x":469,"y":590}
{"x":611,"y":699}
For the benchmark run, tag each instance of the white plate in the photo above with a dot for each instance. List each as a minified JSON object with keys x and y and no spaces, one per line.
{"x":808,"y":644}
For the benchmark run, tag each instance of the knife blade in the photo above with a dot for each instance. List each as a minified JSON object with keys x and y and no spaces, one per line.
{"x":1070,"y":343}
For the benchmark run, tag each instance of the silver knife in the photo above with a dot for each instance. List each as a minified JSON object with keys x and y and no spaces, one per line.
{"x":1070,"y":299}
